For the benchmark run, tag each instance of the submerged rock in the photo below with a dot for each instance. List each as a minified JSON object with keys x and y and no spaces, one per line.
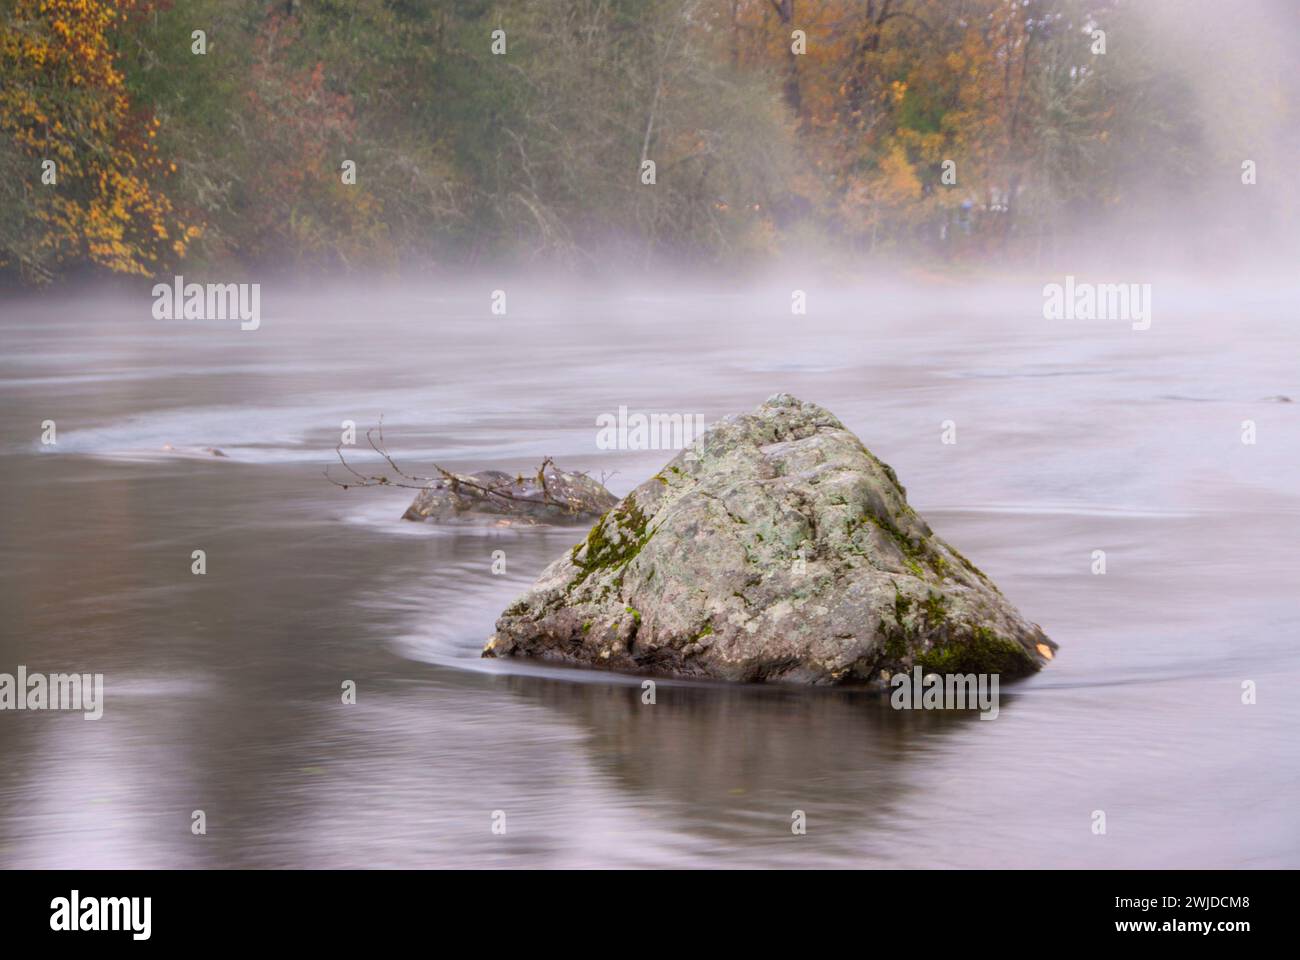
{"x":776,"y":548}
{"x":194,"y":451}
{"x":551,"y":495}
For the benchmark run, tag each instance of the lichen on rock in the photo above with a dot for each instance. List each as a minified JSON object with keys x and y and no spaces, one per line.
{"x":777,"y":547}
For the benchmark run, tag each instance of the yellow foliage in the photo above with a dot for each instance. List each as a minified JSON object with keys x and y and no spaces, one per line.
{"x":63,"y":99}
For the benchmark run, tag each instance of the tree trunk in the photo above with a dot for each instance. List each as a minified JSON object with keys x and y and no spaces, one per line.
{"x":791,"y":91}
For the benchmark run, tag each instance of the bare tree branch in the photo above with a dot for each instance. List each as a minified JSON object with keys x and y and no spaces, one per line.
{"x":414,"y":482}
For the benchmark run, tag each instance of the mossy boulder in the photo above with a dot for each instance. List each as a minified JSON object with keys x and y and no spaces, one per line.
{"x":776,"y":548}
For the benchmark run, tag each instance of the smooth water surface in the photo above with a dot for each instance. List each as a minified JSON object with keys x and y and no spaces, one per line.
{"x":223,"y":690}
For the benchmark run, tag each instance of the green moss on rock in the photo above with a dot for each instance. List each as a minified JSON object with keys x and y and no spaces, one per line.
{"x":616,"y":538}
{"x":979,"y":651}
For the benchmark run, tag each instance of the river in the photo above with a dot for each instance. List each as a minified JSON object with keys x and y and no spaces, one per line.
{"x":222,"y":690}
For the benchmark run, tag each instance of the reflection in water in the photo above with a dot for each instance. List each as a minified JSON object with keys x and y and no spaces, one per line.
{"x":223,"y":690}
{"x":727,"y":767}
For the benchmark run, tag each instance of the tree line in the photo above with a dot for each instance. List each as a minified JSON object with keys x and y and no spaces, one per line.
{"x":326,"y":135}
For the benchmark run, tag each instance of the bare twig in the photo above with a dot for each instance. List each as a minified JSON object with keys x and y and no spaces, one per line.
{"x":415,"y":482}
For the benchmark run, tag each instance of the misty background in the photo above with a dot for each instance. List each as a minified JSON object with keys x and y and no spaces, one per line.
{"x":231,"y":160}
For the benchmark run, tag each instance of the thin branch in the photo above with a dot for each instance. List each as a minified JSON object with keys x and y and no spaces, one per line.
{"x":413,"y":482}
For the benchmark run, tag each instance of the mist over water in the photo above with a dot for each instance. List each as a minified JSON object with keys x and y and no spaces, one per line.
{"x":222,"y":690}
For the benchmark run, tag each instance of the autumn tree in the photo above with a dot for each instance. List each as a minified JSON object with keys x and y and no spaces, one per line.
{"x":82,"y":173}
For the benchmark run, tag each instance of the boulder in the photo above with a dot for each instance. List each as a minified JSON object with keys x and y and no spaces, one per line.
{"x":551,"y":495}
{"x":776,"y":548}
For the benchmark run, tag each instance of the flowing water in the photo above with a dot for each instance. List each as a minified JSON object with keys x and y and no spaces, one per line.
{"x":222,"y":691}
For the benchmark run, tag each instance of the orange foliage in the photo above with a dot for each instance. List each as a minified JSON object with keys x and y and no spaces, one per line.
{"x":887,"y":91}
